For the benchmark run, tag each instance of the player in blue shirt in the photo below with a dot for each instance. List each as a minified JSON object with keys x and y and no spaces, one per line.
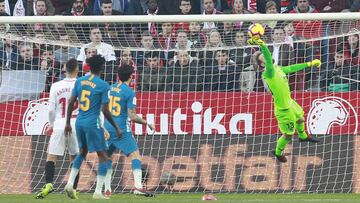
{"x":92,"y":94}
{"x":122,"y":106}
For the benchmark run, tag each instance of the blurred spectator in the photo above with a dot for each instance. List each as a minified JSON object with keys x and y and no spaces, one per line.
{"x":182,"y":41}
{"x":351,"y":48}
{"x":330,"y":5}
{"x":282,"y":53}
{"x":105,"y":50}
{"x":217,"y":5}
{"x":61,"y":5}
{"x":65,"y":52}
{"x":241,"y":55}
{"x":336,"y":76}
{"x":169,"y":7}
{"x":137,"y":7}
{"x":306,"y":29}
{"x":238,"y":8}
{"x":25,"y":60}
{"x":186,"y":76}
{"x":59,"y":28}
{"x":40,"y":40}
{"x":16,"y":7}
{"x":147,"y":41}
{"x":40,"y":8}
{"x":148,"y":46}
{"x":120,"y":6}
{"x":209,"y":9}
{"x":153,"y":75}
{"x":3,"y":7}
{"x":287,"y":5}
{"x":355,"y":6}
{"x":107,"y":8}
{"x":261,"y":6}
{"x":78,"y":9}
{"x":248,"y":75}
{"x":227,"y":33}
{"x":223,"y":75}
{"x":197,"y":37}
{"x":185,"y":7}
{"x":213,"y":42}
{"x":51,"y":66}
{"x":89,"y":52}
{"x":166,"y":37}
{"x":214,"y":39}
{"x":126,"y":58}
{"x":289,"y":33}
{"x":270,"y":9}
{"x":8,"y":51}
{"x":111,"y":36}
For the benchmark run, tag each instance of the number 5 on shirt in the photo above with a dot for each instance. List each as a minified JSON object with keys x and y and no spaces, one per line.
{"x":84,"y":100}
{"x":114,"y":105}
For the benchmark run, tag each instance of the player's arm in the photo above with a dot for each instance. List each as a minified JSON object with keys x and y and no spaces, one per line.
{"x":269,"y":66}
{"x":52,"y":106}
{"x":70,"y":108}
{"x":137,"y":119}
{"x":297,"y":67}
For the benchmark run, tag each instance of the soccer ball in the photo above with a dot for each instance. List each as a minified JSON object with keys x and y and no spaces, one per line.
{"x":167,"y":178}
{"x":256,"y":31}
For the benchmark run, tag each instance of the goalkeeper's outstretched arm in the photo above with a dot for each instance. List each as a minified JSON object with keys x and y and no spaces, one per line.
{"x":297,"y":67}
{"x":269,"y":66}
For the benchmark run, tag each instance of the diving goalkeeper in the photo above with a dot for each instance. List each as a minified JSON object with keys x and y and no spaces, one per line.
{"x":287,"y":112}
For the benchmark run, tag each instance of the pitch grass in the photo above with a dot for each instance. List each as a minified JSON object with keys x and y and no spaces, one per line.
{"x":191,"y":198}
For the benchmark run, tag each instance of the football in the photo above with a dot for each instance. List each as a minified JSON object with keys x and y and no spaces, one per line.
{"x":256,"y":31}
{"x":167,"y":178}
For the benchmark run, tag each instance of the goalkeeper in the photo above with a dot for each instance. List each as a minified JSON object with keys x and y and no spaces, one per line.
{"x":287,"y":112}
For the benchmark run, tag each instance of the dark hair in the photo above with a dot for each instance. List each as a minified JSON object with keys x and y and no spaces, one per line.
{"x":71,"y":65}
{"x":125,"y":72}
{"x":106,"y":2}
{"x":96,"y":63}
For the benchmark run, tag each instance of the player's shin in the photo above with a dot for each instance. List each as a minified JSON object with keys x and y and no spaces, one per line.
{"x":102,"y":169}
{"x":136,"y":168}
{"x":108,"y":176}
{"x":75,"y":169}
{"x":282,"y":142}
{"x":49,"y":171}
{"x":300,"y":127}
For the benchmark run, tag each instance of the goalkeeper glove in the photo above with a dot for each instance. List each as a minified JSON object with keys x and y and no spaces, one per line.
{"x":254,"y":41}
{"x":316,"y":63}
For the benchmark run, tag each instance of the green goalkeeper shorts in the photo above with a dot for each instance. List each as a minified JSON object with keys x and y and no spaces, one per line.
{"x":287,"y":117}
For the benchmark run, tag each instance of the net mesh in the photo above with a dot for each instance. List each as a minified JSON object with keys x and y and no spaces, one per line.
{"x":198,"y":81}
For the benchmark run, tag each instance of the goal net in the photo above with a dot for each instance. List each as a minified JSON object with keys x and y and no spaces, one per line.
{"x":197,"y":79}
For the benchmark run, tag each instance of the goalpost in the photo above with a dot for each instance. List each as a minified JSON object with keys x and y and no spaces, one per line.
{"x":215,"y":128}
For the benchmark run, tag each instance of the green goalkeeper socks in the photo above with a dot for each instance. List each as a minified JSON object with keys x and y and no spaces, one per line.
{"x":301,"y":130}
{"x":281,"y":144}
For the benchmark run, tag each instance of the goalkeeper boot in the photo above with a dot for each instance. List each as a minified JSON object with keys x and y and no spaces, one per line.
{"x":70,"y":192}
{"x":310,"y":139}
{"x":142,"y":192}
{"x":47,"y":189}
{"x":280,"y":158}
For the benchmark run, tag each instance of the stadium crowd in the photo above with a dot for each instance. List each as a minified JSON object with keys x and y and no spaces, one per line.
{"x":189,"y":56}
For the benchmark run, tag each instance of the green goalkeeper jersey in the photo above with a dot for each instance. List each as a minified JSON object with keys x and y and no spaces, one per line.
{"x":276,"y":79}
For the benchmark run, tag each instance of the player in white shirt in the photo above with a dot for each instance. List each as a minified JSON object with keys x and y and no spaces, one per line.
{"x":60,"y":93}
{"x":103,"y":49}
